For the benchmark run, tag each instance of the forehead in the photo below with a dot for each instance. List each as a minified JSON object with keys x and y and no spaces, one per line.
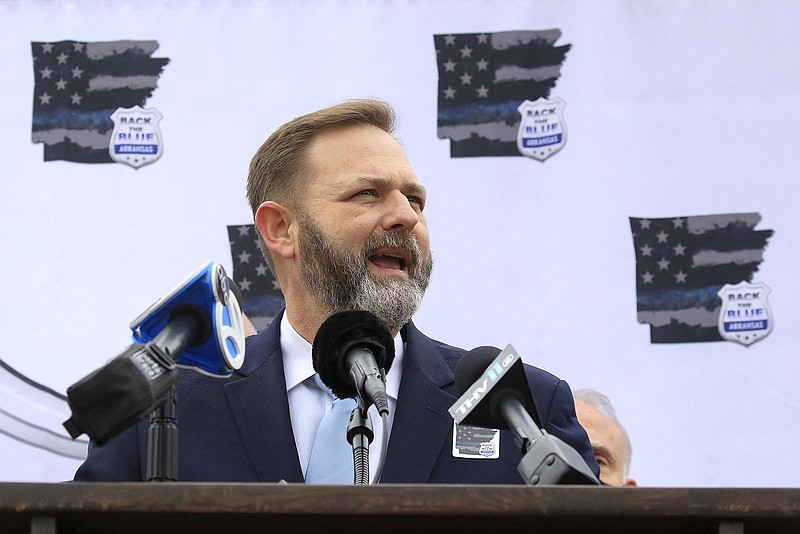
{"x":598,"y":425}
{"x":358,"y":152}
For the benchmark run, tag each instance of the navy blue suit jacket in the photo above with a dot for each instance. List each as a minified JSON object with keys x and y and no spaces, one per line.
{"x":239,"y":430}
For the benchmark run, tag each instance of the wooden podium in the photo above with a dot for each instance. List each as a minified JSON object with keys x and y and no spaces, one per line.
{"x":406,"y":509}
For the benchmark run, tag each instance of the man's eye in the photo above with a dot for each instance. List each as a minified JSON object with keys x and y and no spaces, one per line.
{"x":368,"y":193}
{"x":416,"y":200}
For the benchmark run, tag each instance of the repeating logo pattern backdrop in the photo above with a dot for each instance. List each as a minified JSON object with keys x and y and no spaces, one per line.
{"x":79,"y":86}
{"x":548,"y":148}
{"x":682,"y":263}
{"x":483,"y":80}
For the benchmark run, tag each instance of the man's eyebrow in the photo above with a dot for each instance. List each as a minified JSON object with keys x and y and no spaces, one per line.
{"x":414,"y":188}
{"x":417,"y":189}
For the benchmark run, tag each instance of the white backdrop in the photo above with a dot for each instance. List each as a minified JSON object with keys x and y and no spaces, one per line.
{"x":674,"y":108}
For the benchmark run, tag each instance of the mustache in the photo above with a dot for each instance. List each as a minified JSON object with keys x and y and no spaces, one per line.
{"x":392,"y":240}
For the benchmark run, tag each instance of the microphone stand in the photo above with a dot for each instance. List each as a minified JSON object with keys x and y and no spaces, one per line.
{"x":162,"y":437}
{"x":162,"y":441}
{"x":545,"y":458}
{"x":360,"y":435}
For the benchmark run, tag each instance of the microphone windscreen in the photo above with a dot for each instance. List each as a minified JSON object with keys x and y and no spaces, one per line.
{"x":342,"y":332}
{"x":472,"y":365}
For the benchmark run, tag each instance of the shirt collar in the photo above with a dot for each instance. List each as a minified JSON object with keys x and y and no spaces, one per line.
{"x":298,"y":366}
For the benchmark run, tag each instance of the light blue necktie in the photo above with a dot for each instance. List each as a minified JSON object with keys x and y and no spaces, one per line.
{"x":331,"y":455}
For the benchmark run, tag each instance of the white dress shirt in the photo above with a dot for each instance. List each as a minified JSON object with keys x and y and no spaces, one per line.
{"x":308,"y":403}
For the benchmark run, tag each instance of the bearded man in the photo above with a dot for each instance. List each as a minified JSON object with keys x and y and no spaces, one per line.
{"x":340,"y":214}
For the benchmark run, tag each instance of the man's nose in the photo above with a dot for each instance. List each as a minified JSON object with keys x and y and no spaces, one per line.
{"x":400,"y":214}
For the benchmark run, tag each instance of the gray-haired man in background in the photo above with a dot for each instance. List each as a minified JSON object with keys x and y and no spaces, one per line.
{"x":610,"y":441}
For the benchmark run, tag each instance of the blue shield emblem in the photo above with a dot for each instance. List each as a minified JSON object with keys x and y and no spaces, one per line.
{"x":136,"y":139}
{"x":745,"y":316}
{"x":542,"y":130}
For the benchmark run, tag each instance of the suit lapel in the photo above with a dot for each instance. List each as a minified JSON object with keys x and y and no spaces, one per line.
{"x":421,"y":422}
{"x":261,"y":409}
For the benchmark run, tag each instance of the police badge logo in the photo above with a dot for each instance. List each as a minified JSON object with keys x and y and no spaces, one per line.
{"x":136,"y":139}
{"x":745,"y":316}
{"x":476,"y":443}
{"x":542,"y":130}
{"x":487,"y":449}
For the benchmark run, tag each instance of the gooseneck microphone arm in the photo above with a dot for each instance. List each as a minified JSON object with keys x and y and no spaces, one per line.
{"x":360,"y":435}
{"x":520,"y":422}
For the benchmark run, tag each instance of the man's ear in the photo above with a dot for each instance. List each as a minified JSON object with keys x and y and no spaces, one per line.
{"x":275,"y":223}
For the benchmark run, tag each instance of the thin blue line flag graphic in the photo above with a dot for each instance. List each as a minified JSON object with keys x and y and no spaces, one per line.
{"x":79,"y":85}
{"x":681,"y":264}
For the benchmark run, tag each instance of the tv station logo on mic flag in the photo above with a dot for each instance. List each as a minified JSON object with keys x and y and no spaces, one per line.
{"x":78,"y":88}
{"x":694,"y":274}
{"x":262,"y":295}
{"x":493,"y":93}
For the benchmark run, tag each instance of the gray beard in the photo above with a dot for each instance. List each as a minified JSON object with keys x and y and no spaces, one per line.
{"x":340,"y":280}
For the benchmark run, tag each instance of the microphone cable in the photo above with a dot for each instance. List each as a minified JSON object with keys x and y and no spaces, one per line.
{"x":384,"y":441}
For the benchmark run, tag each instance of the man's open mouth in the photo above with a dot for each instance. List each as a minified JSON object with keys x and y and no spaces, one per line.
{"x":394,"y":259}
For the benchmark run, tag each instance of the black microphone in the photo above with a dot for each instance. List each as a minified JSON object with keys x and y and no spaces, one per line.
{"x":133,"y":384}
{"x":352,"y":352}
{"x":496,"y":394}
{"x":197,"y":325}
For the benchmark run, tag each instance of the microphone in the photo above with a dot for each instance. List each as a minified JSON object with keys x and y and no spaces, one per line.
{"x":480,"y":409}
{"x":198,"y":325}
{"x":215,"y":302}
{"x":352,"y":352}
{"x":496,"y":394}
{"x":112,"y":398}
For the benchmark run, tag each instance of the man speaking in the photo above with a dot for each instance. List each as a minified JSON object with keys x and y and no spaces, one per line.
{"x":340,"y":215}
